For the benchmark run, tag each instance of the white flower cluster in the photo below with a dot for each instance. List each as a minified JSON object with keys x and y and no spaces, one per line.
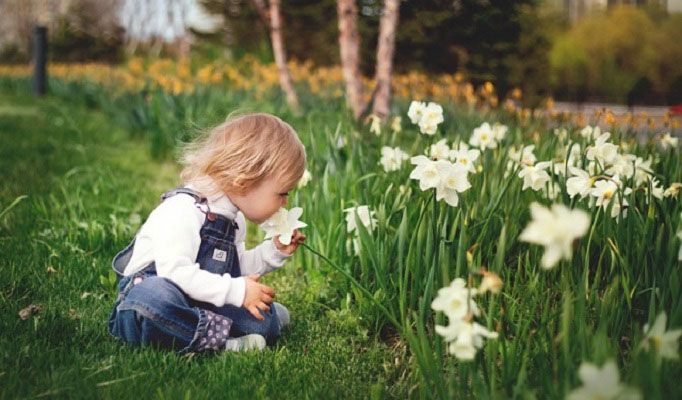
{"x":426,"y":116}
{"x":555,"y":229}
{"x":487,"y":137}
{"x":600,"y":179}
{"x":392,"y":158}
{"x":367,"y":220}
{"x":464,"y":335}
{"x":447,"y":178}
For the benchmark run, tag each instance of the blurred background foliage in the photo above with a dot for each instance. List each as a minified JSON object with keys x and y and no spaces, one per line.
{"x":620,"y":53}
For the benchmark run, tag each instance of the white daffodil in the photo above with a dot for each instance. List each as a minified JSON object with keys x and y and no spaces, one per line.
{"x":448,"y":179}
{"x":605,"y":190}
{"x":556,"y":229}
{"x":465,"y":158}
{"x":366,"y":218}
{"x":523,"y":155}
{"x":590,"y":133}
{"x":603,"y":151}
{"x":665,"y":343}
{"x":453,"y":179}
{"x":283,"y":224}
{"x":465,"y":337}
{"x":396,"y":124}
{"x":499,"y":131}
{"x":416,"y":111}
{"x":483,"y":137}
{"x":440,"y":150}
{"x":456,"y":300}
{"x":668,"y":142}
{"x":643,"y":170}
{"x":673,"y":190}
{"x":656,"y":190}
{"x":623,"y":165}
{"x":375,"y":124}
{"x":535,"y":176}
{"x":392,"y":158}
{"x":602,"y":384}
{"x":426,"y":172}
{"x":579,"y":183}
{"x":305,"y":179}
{"x":432,"y":115}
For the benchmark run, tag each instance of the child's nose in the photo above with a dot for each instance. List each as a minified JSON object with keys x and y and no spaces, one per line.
{"x":284,"y":201}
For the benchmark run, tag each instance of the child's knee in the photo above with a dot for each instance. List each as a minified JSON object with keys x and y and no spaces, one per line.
{"x":269,"y":327}
{"x":156,"y":293}
{"x":126,"y":326}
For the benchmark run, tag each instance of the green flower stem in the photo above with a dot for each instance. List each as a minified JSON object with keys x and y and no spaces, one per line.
{"x":357,"y":284}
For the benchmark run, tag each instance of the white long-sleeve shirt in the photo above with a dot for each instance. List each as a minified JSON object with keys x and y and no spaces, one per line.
{"x":171,"y":238}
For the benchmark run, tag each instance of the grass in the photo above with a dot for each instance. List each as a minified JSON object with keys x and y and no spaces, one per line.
{"x":85,"y":201}
{"x":88,"y":186}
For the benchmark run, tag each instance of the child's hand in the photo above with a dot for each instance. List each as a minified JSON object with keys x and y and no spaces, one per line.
{"x":258,"y":296}
{"x":289,"y":249}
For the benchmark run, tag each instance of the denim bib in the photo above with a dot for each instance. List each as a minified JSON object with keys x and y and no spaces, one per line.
{"x":217,"y":252}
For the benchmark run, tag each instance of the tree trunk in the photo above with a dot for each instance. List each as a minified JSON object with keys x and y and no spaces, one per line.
{"x":262,"y":11}
{"x":280,"y":56}
{"x":385,"y":50}
{"x":349,"y":43}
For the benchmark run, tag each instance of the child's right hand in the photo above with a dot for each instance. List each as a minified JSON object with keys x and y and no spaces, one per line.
{"x":258,"y":296}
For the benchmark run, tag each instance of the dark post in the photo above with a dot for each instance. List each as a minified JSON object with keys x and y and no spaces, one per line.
{"x":39,"y":60}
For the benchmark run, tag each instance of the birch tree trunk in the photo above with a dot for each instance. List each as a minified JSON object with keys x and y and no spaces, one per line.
{"x":349,"y":43}
{"x":280,"y":56}
{"x":384,"y":66}
{"x":262,"y":11}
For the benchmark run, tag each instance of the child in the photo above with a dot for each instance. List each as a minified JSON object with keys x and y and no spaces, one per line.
{"x":188,"y":283}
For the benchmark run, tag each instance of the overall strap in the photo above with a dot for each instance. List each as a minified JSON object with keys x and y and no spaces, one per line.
{"x":224,"y":223}
{"x":183,"y":190}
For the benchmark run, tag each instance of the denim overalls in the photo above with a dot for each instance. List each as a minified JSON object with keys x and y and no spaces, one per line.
{"x":153,"y":310}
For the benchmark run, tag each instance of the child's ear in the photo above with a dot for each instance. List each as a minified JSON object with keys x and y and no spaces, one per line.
{"x":239,"y":187}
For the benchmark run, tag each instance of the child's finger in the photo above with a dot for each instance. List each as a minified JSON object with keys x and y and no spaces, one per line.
{"x":267,"y":299}
{"x":255,"y":277}
{"x":256,"y":313}
{"x":298,"y":237}
{"x":268,"y":290}
{"x":262,"y":306}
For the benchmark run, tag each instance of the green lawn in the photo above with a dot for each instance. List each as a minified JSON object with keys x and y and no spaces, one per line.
{"x":88,"y":187}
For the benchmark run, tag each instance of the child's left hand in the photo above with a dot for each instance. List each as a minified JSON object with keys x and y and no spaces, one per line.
{"x":289,"y":249}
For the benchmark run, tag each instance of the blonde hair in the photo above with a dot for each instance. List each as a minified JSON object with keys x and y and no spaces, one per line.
{"x":242,"y":151}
